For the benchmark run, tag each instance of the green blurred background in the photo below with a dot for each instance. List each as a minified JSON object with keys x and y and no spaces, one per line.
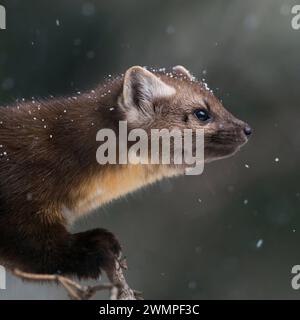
{"x":232,"y":233}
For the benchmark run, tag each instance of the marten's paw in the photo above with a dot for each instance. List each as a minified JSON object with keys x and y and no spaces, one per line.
{"x":94,"y":250}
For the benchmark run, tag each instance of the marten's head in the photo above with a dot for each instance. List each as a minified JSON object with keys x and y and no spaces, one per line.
{"x":177,"y":100}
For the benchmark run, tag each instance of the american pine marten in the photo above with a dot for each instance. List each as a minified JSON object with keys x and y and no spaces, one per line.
{"x":50,"y":176}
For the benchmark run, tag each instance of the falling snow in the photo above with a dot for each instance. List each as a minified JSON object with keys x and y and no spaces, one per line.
{"x":88,"y":9}
{"x":259,"y":243}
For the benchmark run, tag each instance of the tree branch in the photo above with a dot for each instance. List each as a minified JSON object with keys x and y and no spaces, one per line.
{"x":118,"y":287}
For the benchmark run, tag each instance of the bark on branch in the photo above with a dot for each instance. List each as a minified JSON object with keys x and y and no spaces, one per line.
{"x":118,"y":286}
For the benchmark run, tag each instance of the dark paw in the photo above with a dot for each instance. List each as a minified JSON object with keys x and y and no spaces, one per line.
{"x":97,"y":249}
{"x":102,"y":239}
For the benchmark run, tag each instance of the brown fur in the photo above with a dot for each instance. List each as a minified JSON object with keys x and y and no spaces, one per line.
{"x":49,"y":174}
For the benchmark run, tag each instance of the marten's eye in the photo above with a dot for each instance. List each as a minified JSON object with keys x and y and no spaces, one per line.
{"x":202,"y":114}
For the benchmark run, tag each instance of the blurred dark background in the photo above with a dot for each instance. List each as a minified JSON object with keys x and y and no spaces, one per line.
{"x":232,"y":233}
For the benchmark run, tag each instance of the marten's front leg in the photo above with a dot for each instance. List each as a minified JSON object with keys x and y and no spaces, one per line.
{"x":53,"y":250}
{"x":90,"y":252}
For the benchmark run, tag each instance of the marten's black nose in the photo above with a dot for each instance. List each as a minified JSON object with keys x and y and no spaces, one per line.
{"x":247,"y":131}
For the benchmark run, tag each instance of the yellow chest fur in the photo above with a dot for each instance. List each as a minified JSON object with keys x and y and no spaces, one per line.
{"x":112,"y":184}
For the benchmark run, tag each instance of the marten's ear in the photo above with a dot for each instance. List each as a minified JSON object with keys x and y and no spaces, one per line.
{"x":141,"y":88}
{"x":183,"y":71}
